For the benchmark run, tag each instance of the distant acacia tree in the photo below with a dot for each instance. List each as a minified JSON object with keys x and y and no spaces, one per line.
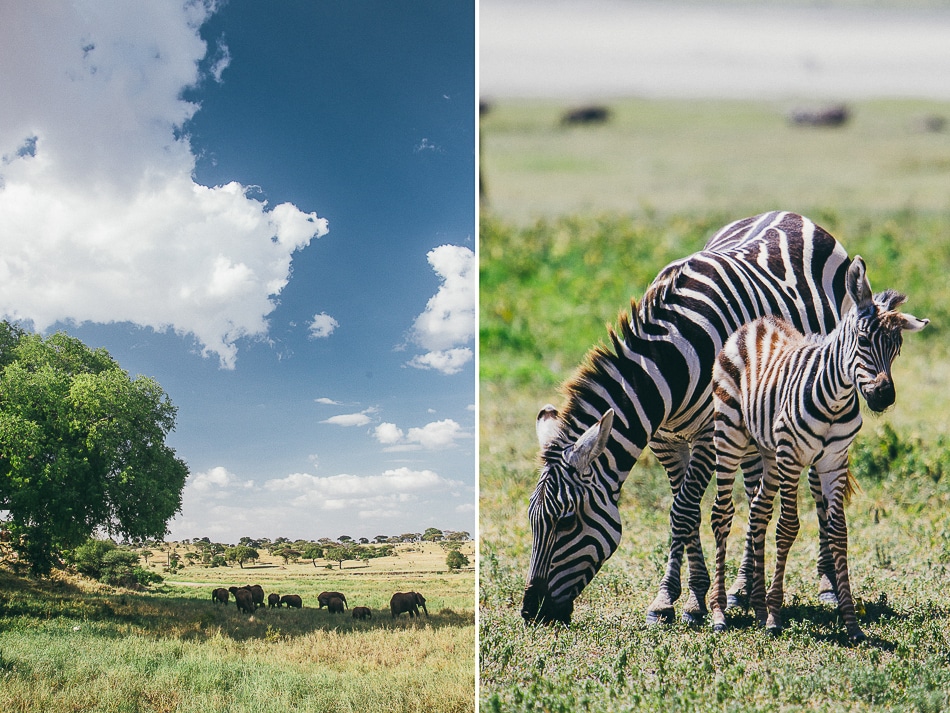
{"x":313,"y":552}
{"x":82,"y":447}
{"x":339,"y":554}
{"x":432,"y":534}
{"x":456,"y":560}
{"x":240,"y":554}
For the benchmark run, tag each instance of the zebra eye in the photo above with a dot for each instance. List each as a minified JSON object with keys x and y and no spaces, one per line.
{"x":863,"y":341}
{"x":566,"y":522}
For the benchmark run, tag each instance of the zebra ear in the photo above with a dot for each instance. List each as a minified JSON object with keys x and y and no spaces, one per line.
{"x":859,"y":289}
{"x":547,"y":426}
{"x":591,"y":444}
{"x":910,"y":323}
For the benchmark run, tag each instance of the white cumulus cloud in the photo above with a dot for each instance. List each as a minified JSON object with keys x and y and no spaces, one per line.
{"x":448,"y":323}
{"x":216,"y":478}
{"x":322,"y":325}
{"x":387,"y":491}
{"x":434,"y":436}
{"x":350,"y":419}
{"x":100,"y":218}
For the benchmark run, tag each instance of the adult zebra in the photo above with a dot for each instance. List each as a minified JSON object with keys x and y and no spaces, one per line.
{"x":652,"y":386}
{"x":796,"y":399}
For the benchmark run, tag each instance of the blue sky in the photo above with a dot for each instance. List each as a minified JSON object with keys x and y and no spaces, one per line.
{"x":269,"y":208}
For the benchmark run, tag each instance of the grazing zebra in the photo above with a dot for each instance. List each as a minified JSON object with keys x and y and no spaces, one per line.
{"x":795,"y":399}
{"x":652,"y":386}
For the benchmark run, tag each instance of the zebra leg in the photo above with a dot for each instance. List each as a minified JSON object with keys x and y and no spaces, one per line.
{"x":738,"y":594}
{"x":827,"y":584}
{"x":838,"y":541}
{"x":673,"y":455}
{"x":729,"y":442}
{"x":785,"y":533}
{"x":760,"y":513}
{"x":685,"y":517}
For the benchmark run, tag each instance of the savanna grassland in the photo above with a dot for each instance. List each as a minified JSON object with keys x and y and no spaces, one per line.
{"x":70,"y":644}
{"x":578,"y":221}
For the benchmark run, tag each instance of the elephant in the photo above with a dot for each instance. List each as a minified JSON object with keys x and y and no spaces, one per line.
{"x":325,"y":597}
{"x":257,"y":593}
{"x":220,"y":595}
{"x":243,"y":599}
{"x":407,"y":602}
{"x":273,"y":600}
{"x":335,"y":605}
{"x":291,"y":600}
{"x":362,"y":613}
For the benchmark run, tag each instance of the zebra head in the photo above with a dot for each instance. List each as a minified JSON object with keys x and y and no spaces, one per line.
{"x":878,"y":328}
{"x":572,"y":533}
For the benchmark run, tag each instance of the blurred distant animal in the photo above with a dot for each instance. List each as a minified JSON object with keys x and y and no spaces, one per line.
{"x":220,"y":595}
{"x":837,"y":115}
{"x":325,"y":597}
{"x":273,"y":600}
{"x":585,"y":115}
{"x":292,"y":600}
{"x":362,"y":613}
{"x":407,"y":602}
{"x":243,"y":599}
{"x":335,"y":605}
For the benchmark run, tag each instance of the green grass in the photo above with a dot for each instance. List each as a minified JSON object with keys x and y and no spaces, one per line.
{"x":68,"y":645}
{"x":557,"y":265}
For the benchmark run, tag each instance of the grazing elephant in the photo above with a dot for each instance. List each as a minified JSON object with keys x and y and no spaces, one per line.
{"x":325,"y":597}
{"x":407,"y":602}
{"x":362,"y":613}
{"x":257,"y":594}
{"x":243,"y":599}
{"x":220,"y":595}
{"x":273,"y":600}
{"x":292,"y":600}
{"x":335,"y":605}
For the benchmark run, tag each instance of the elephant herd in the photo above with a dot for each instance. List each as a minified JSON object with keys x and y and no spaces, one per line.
{"x":251,"y":596}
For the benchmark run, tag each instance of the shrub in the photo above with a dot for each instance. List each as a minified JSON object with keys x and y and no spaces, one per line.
{"x":456,"y":560}
{"x":888,"y":454}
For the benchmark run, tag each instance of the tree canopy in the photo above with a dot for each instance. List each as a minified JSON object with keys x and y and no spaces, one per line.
{"x":82,"y":447}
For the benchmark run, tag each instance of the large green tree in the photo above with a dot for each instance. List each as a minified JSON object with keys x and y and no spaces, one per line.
{"x":82,"y":447}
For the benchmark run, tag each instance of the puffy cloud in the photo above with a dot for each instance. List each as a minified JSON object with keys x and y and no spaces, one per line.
{"x":349,"y":419}
{"x":322,"y":325}
{"x":367,"y":495}
{"x":388,"y":433}
{"x":216,"y":478}
{"x":327,"y":401}
{"x":437,"y":435}
{"x":100,"y":219}
{"x":448,"y":322}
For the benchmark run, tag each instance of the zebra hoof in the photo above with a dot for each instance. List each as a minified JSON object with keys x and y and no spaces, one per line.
{"x":828,"y":598}
{"x":734,"y":601}
{"x":719,"y":628}
{"x":693,"y":618}
{"x":773,"y":631}
{"x":662,"y":616}
{"x":857,"y":637}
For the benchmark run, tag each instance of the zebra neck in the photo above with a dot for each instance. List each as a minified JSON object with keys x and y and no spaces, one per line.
{"x":837,"y":360}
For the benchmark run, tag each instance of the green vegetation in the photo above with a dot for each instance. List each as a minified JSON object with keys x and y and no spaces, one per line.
{"x":67,"y":643}
{"x":82,"y":446}
{"x":562,"y":251}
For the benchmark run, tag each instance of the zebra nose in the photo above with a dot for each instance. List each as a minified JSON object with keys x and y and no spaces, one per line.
{"x":533,"y":595}
{"x":881,"y":394}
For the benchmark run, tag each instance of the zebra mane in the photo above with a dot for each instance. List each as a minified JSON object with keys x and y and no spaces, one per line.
{"x":627,"y":326}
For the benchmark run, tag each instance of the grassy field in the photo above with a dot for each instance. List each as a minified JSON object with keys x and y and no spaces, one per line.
{"x":578,"y":221}
{"x":69,"y":644}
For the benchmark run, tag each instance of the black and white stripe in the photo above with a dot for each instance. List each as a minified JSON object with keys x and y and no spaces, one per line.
{"x":795,"y":400}
{"x":651,"y":385}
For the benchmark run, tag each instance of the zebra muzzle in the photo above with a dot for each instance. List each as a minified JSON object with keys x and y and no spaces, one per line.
{"x":537,"y":607}
{"x":880,"y":394}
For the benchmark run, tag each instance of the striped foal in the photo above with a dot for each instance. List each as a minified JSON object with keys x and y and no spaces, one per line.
{"x":795,"y":399}
{"x":651,"y":384}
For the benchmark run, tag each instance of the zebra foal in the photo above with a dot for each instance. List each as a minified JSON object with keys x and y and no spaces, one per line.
{"x":794,"y":398}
